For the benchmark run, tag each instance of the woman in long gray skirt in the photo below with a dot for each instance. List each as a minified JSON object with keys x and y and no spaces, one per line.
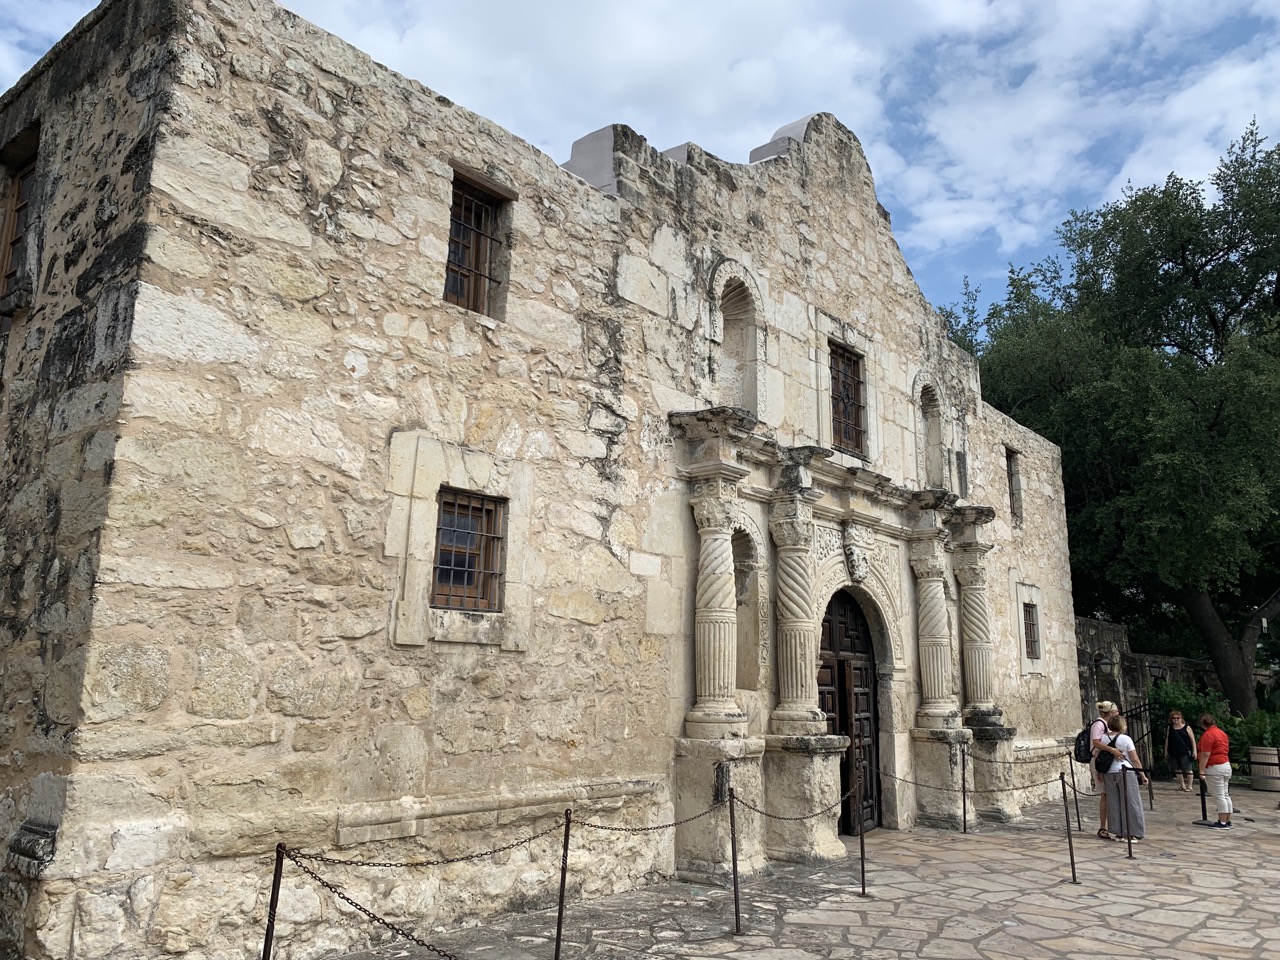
{"x":1125,"y":799}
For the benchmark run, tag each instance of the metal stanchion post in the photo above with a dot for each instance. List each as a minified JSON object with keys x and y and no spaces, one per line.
{"x":964,"y":789}
{"x":733,"y":849}
{"x":564,"y":876}
{"x":1204,"y":820}
{"x":1124,"y":809}
{"x":275,"y":901}
{"x":1066,"y":813}
{"x":1075,"y":791}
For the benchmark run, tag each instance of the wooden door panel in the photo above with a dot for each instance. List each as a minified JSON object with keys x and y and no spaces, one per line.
{"x":847,"y":695}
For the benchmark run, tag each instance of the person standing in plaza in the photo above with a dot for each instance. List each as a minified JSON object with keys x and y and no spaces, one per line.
{"x":1101,"y":742}
{"x":1121,"y":782}
{"x":1180,"y":750}
{"x":1215,"y":767}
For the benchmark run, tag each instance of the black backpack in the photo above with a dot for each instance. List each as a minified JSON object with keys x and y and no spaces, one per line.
{"x":1083,"y":750}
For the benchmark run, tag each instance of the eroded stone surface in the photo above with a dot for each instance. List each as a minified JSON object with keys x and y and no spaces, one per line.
{"x":229,"y":409}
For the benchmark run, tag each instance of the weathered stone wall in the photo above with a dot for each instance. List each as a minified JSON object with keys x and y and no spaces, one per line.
{"x":1030,"y":562}
{"x":94,"y":101}
{"x":263,"y":663}
{"x":289,"y":329}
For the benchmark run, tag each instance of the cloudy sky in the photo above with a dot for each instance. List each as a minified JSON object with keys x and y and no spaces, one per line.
{"x":986,"y":121}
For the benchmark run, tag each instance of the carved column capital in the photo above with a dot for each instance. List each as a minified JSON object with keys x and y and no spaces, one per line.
{"x":712,"y":513}
{"x":791,"y":522}
{"x":929,"y":559}
{"x":971,"y":569}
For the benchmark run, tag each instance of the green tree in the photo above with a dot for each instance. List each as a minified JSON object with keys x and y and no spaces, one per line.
{"x":1154,"y":362}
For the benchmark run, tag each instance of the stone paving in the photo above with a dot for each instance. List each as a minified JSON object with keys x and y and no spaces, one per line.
{"x":1004,"y":893}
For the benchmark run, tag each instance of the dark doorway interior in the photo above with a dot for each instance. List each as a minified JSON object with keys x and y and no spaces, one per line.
{"x":847,"y":694}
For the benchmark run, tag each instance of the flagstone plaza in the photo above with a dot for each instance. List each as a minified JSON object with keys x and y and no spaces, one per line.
{"x":1004,"y":893}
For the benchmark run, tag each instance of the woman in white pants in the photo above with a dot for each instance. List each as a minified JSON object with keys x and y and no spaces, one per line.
{"x":1215,"y":767}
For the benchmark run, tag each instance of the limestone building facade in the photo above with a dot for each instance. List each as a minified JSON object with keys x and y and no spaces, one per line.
{"x":373,"y":483}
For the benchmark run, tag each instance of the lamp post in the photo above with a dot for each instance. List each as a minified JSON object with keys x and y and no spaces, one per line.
{"x":1156,"y":669}
{"x":1103,"y":665}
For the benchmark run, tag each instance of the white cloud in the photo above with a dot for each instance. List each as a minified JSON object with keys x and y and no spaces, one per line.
{"x":985,"y":121}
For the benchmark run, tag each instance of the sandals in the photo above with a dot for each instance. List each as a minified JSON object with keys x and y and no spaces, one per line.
{"x":1103,"y":835}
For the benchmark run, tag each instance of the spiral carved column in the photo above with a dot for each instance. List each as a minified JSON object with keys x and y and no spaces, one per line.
{"x":933,"y":633}
{"x":715,"y":713}
{"x":791,"y":525}
{"x":975,"y":635}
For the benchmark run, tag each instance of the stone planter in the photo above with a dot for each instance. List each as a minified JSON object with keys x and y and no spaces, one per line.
{"x":1264,"y":766}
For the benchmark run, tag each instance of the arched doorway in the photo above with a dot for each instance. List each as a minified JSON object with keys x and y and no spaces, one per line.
{"x":847,"y":695}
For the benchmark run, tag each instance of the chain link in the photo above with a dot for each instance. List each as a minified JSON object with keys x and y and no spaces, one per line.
{"x":320,"y":858}
{"x":337,"y":892}
{"x":934,"y":786}
{"x":659,"y":826}
{"x":808,"y":816}
{"x":1045,"y":759}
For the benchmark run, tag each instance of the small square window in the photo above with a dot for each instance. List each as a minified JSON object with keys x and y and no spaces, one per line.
{"x":474,"y":248}
{"x":470,"y":557}
{"x":17,"y":213}
{"x":1031,"y":630}
{"x":848,"y":401}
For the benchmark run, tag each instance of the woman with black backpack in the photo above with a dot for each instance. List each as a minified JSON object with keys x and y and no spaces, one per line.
{"x":1124,"y":799}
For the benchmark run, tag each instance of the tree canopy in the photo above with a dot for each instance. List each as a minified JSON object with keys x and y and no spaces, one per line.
{"x":1152,"y":357}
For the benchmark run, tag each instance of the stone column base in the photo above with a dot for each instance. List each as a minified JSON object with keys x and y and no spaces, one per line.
{"x":704,"y":772}
{"x":936,"y":771}
{"x":993,"y":779}
{"x":802,"y":776}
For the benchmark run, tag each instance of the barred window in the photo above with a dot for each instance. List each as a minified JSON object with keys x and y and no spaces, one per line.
{"x":1031,"y":630}
{"x":848,"y":401}
{"x":17,"y":220}
{"x":473,"y":247}
{"x":470,"y":552}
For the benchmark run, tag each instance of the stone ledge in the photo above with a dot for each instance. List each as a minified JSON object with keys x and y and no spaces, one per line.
{"x":815,"y":744}
{"x":730,"y":748}
{"x":409,"y":816}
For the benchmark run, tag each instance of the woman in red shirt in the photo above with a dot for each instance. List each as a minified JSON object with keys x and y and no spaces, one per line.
{"x":1215,"y":767}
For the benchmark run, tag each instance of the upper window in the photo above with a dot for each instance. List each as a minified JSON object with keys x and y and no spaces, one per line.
{"x":1031,"y":630}
{"x":848,"y":401}
{"x":470,"y":552}
{"x":474,"y":248}
{"x":1013,"y":474}
{"x":17,"y":220}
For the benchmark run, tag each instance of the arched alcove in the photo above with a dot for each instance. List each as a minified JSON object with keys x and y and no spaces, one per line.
{"x":935,"y":451}
{"x":736,"y":335}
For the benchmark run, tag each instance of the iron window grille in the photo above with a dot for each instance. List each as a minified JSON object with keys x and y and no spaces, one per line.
{"x":17,"y":221}
{"x":471,"y":552}
{"x":848,"y":401}
{"x":473,"y":247}
{"x":1031,"y":630}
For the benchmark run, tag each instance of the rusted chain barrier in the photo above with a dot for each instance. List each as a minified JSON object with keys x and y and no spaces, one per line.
{"x":300,"y":859}
{"x":361,"y":908}
{"x":658,"y":826}
{"x":808,"y":816}
{"x":1016,"y":760}
{"x":935,"y":786}
{"x":320,"y":858}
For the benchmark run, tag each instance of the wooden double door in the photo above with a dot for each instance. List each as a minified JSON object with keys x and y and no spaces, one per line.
{"x":847,"y":695}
